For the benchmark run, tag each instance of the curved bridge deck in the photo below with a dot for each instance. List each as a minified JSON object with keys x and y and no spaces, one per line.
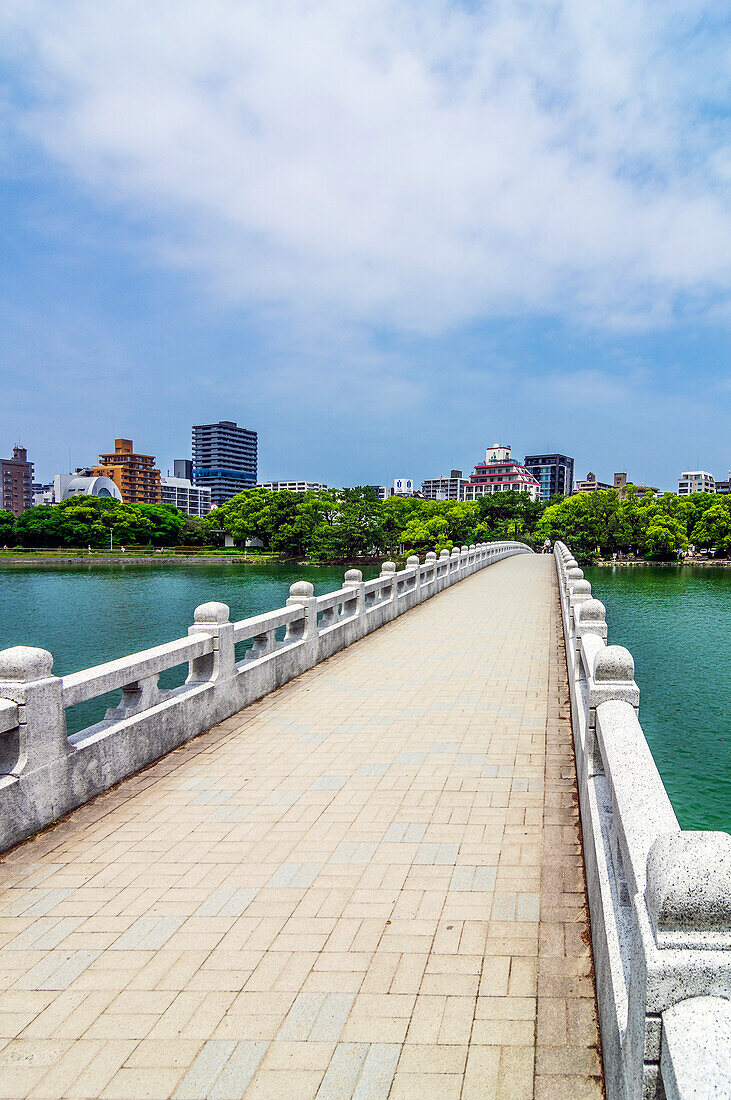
{"x":367,"y":885}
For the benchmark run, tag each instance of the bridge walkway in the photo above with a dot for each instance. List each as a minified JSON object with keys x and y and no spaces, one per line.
{"x":367,"y":885}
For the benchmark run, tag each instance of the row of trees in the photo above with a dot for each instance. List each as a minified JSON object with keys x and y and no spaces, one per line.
{"x":344,"y":524}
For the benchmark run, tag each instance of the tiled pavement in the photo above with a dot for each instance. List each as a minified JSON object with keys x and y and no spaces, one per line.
{"x":367,"y":885}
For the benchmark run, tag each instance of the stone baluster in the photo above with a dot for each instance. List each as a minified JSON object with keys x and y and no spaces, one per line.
{"x":138,"y":695}
{"x":212,"y":618}
{"x":591,"y":619}
{"x":454,"y":563}
{"x":302,"y":594}
{"x":388,"y":570}
{"x":682,"y":941}
{"x":613,"y":677}
{"x":26,"y":679}
{"x":355,"y":606}
{"x":412,"y":562}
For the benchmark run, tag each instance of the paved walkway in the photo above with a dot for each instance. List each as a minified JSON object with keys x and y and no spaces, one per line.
{"x":367,"y":885}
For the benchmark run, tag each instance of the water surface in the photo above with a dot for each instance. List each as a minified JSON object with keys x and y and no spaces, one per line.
{"x":89,"y":613}
{"x":676,"y":622}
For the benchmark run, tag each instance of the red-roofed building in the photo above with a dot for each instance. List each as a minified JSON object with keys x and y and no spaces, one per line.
{"x":499,"y":473}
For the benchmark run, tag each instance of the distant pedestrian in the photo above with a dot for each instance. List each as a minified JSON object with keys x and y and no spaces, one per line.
{"x":547,"y":546}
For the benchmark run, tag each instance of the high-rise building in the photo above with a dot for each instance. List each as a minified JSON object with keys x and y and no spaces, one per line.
{"x":591,"y":485}
{"x":500,"y":473}
{"x":554,"y":474}
{"x":16,"y":482}
{"x":696,"y":481}
{"x":195,"y":500}
{"x":135,"y":475}
{"x":224,"y":459}
{"x":444,"y":488}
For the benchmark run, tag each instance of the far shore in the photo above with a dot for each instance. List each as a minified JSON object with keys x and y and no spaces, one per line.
{"x":602,"y":562}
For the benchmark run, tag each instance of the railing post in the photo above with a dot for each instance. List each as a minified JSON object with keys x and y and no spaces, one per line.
{"x":682,"y":940}
{"x":388,"y":570}
{"x":354,"y":580}
{"x":302,"y":594}
{"x":612,"y":678}
{"x":454,"y":564}
{"x":412,"y":562}
{"x":26,"y":679}
{"x":212,"y":619}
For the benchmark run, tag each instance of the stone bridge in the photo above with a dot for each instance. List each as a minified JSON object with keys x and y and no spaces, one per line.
{"x":344,"y":860}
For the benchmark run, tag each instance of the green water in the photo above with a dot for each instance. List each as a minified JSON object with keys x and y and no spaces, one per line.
{"x":676,"y":622}
{"x":86,"y":614}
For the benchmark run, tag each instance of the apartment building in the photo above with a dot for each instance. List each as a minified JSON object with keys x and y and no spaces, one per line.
{"x":134,"y":474}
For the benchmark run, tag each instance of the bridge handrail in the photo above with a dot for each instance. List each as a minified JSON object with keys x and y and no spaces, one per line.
{"x":8,"y":715}
{"x":659,"y":896}
{"x":79,"y":687}
{"x":45,"y":772}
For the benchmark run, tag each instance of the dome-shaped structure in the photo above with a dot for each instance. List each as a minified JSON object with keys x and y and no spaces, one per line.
{"x":89,"y":487}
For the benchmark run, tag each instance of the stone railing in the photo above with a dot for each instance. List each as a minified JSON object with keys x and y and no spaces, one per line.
{"x":659,"y":896}
{"x":44,"y":772}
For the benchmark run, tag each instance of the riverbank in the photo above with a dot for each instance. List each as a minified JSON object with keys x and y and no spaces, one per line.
{"x":695,"y":562}
{"x":168,"y":557}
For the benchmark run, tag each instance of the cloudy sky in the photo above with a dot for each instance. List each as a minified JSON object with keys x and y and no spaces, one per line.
{"x":384,"y":233}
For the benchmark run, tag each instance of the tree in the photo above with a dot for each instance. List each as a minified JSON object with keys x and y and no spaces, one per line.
{"x":7,"y":525}
{"x":713,"y":529}
{"x":664,"y":537}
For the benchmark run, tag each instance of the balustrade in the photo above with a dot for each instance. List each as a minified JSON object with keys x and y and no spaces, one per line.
{"x":659,"y":896}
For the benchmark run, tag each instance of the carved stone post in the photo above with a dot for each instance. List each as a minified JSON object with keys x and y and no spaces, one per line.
{"x":26,"y":679}
{"x":613,"y":678}
{"x":682,"y":941}
{"x":220,"y":665}
{"x":302,"y":594}
{"x":356,"y":607}
{"x":414,"y":585}
{"x":388,"y":570}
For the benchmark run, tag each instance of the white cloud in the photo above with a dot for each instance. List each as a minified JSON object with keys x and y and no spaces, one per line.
{"x":415,"y":165}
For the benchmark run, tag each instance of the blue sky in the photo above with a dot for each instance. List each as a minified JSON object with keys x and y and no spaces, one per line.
{"x":385,"y":234}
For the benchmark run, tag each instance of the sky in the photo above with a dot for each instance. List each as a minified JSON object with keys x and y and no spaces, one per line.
{"x":385,"y":234}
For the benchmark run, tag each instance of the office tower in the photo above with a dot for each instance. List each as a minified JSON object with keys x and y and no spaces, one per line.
{"x":224,"y":459}
{"x":554,"y":473}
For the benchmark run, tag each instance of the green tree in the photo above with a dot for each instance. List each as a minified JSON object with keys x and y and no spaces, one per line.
{"x":7,"y":527}
{"x":713,"y":529}
{"x":664,"y":537}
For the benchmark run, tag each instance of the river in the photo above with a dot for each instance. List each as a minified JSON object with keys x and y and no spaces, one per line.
{"x":675,"y":621}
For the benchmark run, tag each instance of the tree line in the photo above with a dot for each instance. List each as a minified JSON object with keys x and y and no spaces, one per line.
{"x":345,"y":524}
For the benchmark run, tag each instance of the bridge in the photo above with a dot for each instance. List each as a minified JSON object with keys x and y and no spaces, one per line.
{"x":356,"y":854}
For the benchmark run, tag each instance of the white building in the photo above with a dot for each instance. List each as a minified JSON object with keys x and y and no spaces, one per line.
{"x":696,"y":481}
{"x":293,"y":486}
{"x":80,"y":483}
{"x":195,"y":500}
{"x":500,"y":473}
{"x":444,"y":488}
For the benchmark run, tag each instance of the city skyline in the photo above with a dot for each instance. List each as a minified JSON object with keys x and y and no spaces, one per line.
{"x":168,"y":468}
{"x":439,"y":224}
